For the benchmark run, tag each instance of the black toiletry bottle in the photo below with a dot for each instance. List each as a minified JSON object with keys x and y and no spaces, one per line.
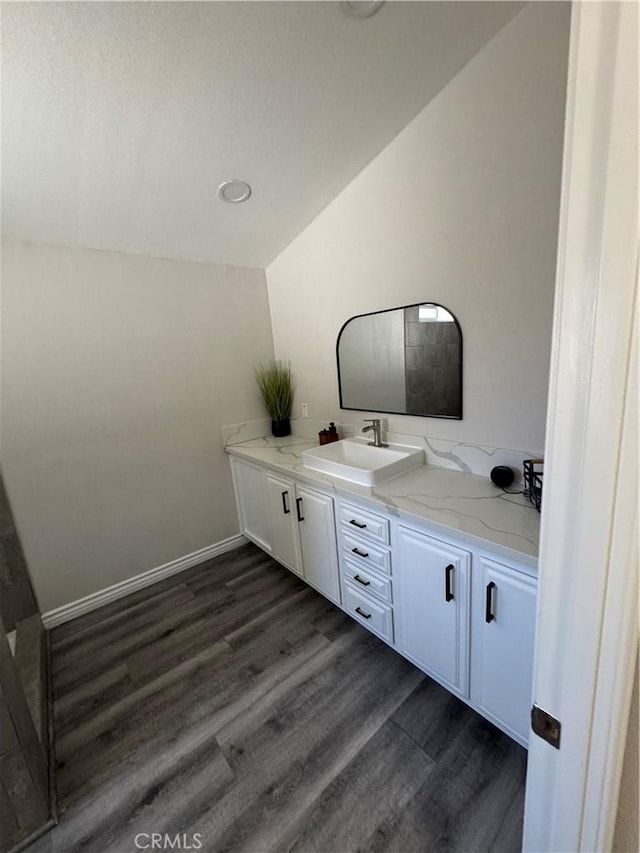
{"x":333,"y":432}
{"x":323,"y":436}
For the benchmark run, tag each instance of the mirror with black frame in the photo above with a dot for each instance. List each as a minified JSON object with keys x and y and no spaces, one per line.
{"x":404,"y":361}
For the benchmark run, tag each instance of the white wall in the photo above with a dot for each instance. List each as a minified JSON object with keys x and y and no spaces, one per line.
{"x":118,"y":371}
{"x":461,"y":208}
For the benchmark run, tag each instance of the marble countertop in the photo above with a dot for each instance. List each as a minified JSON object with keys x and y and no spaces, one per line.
{"x":451,"y":501}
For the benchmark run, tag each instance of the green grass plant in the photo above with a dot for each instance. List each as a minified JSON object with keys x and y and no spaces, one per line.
{"x":276,"y":386}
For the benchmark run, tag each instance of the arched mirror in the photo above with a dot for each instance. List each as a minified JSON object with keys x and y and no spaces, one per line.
{"x":405,"y":361}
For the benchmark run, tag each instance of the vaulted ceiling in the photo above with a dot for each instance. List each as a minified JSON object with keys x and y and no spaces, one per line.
{"x":120,"y":120}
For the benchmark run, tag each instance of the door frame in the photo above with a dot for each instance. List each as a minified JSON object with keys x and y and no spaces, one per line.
{"x":587,"y":617}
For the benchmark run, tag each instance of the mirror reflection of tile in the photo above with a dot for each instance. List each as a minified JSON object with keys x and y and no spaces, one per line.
{"x":432,"y":359}
{"x":405,"y":360}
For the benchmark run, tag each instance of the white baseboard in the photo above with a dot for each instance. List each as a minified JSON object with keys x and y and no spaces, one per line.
{"x":97,"y":599}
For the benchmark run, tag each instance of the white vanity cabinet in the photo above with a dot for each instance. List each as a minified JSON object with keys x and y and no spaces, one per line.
{"x":504,"y":617}
{"x":432,"y":582}
{"x":251,"y":502}
{"x":365,"y":568}
{"x":293,"y":523}
{"x":457,"y":611}
{"x":316,"y":526}
{"x":285,"y":543}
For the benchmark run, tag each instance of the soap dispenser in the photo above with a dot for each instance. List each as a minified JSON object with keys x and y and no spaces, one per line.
{"x":333,"y":432}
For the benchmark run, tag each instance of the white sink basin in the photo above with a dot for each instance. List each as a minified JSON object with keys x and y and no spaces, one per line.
{"x":356,"y":460}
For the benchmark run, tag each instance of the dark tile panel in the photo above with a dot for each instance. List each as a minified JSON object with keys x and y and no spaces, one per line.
{"x":10,"y":831}
{"x":28,"y":806}
{"x":25,"y":730}
{"x":17,"y":600}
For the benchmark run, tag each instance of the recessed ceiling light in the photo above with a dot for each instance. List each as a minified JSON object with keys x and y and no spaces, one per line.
{"x":362,"y":8}
{"x":234,"y":192}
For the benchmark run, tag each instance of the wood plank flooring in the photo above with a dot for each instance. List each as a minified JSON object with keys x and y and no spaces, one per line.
{"x":233,"y":706}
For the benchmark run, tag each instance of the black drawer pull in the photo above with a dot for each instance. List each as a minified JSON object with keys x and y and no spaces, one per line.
{"x":362,"y":613}
{"x":448,"y":573}
{"x":298,"y":505}
{"x":360,"y":553}
{"x":357,"y":524}
{"x":489,"y":616}
{"x":359,"y":579}
{"x":285,"y":506}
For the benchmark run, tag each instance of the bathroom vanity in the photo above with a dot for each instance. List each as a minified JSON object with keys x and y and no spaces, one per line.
{"x":439,"y":564}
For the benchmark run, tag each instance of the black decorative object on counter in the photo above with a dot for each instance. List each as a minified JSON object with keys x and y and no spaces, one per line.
{"x":281,"y":428}
{"x":502,"y":476}
{"x":532,"y":477}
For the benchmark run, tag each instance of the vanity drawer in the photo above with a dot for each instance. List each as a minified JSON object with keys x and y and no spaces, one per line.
{"x":364,"y":522}
{"x":363,"y":553}
{"x":370,"y":582}
{"x":375,"y":615}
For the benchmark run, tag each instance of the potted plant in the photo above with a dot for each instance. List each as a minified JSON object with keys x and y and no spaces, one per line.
{"x":276,"y":388}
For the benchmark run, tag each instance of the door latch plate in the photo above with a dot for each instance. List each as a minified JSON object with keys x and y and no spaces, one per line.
{"x":546,"y":726}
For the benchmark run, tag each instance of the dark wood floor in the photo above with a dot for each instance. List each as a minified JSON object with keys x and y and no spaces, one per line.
{"x":233,"y":705}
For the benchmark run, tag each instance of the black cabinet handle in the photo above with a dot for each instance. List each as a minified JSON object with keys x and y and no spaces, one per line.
{"x":360,"y":553}
{"x":298,"y":505}
{"x":489,"y":616}
{"x":285,"y":507}
{"x":359,"y":579}
{"x":357,"y":524}
{"x":448,"y":574}
{"x":362,"y":613}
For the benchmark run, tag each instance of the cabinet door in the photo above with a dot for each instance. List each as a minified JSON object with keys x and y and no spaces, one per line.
{"x":284,"y":526}
{"x":432,"y":607}
{"x":251,"y":501}
{"x":318,"y":541}
{"x":505,"y":610}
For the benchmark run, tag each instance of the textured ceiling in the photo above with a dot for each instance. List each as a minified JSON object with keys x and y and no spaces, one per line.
{"x":119,"y":120}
